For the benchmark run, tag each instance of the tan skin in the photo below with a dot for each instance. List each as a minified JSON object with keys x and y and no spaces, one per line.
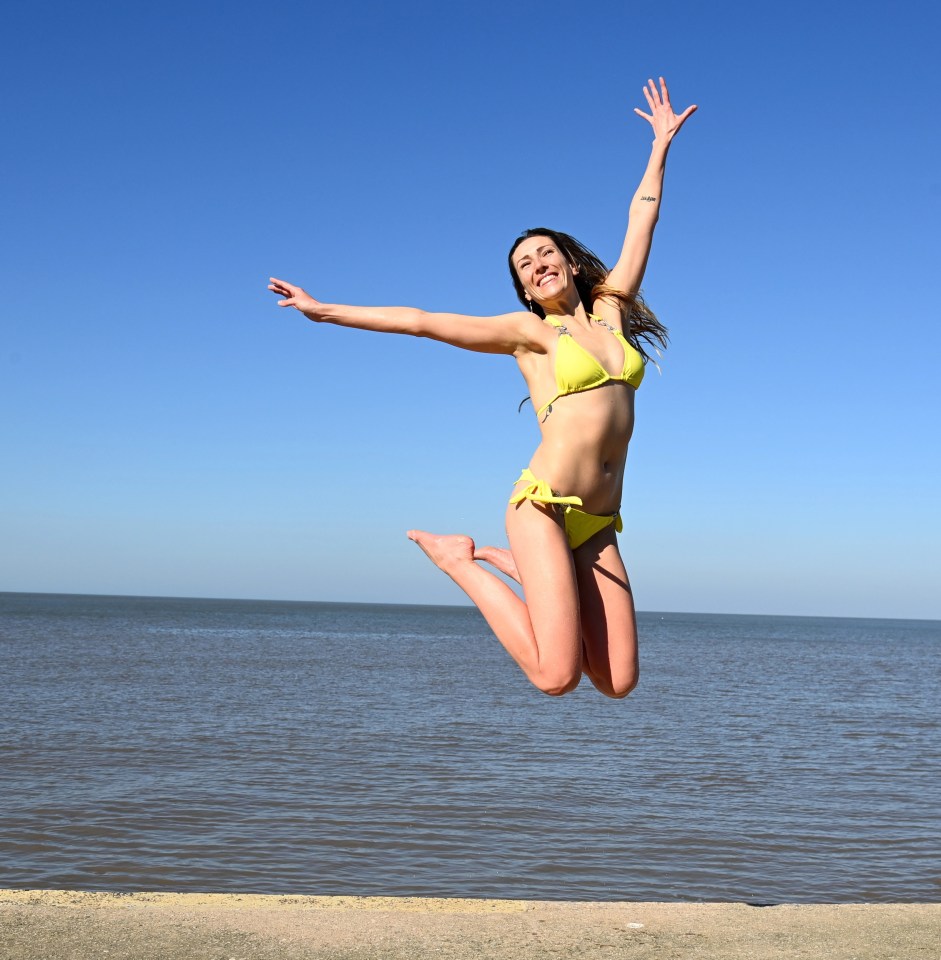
{"x":578,"y":614}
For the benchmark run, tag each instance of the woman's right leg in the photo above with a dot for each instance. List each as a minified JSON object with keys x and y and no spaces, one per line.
{"x":542,"y":634}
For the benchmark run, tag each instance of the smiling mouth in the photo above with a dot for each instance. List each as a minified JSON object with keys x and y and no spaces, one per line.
{"x":547,"y":278}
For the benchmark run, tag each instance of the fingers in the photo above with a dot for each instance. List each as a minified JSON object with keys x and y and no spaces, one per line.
{"x":284,"y":289}
{"x":681,"y":119}
{"x":660,"y":106}
{"x":665,"y":94}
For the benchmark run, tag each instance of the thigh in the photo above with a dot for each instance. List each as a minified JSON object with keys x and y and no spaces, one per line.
{"x":547,"y":576}
{"x":609,"y":625}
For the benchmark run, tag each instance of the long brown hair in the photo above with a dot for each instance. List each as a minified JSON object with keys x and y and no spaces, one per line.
{"x":641,"y":326}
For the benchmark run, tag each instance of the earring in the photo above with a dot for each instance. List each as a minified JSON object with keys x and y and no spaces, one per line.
{"x":530,"y":301}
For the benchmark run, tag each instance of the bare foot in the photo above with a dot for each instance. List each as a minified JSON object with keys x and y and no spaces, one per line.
{"x":445,"y":551}
{"x":499,"y":558}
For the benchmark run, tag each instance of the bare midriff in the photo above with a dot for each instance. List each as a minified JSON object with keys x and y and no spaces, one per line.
{"x":584,"y":445}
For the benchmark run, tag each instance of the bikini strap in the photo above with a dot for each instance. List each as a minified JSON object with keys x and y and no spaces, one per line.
{"x":540,"y":492}
{"x":560,"y":327}
{"x":604,"y":323}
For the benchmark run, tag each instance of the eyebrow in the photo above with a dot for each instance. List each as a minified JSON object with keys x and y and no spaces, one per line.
{"x":538,"y":250}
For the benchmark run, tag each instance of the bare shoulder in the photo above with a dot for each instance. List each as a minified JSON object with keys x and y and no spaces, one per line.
{"x":535,"y":335}
{"x":610,"y":311}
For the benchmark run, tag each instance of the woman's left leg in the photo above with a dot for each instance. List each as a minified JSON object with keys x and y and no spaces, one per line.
{"x":609,"y":624}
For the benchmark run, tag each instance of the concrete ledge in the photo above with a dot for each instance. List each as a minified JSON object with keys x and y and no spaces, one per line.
{"x":68,"y":925}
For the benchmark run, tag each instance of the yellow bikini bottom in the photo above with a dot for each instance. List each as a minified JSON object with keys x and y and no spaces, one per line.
{"x":579,"y":526}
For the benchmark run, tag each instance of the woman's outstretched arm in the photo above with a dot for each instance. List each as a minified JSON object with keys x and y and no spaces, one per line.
{"x":628,"y":272}
{"x":506,"y":333}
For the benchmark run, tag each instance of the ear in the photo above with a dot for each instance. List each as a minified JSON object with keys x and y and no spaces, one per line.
{"x":574,"y":267}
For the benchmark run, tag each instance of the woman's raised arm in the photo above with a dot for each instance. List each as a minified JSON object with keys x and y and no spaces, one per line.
{"x":628,"y":272}
{"x":506,"y":333}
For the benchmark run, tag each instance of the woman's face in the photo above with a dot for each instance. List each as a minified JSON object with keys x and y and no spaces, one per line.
{"x":544,"y":272}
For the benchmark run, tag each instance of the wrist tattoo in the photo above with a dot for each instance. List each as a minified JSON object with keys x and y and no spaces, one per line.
{"x":648,"y":198}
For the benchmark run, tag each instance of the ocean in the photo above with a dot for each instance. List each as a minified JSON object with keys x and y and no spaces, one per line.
{"x":359,"y":749}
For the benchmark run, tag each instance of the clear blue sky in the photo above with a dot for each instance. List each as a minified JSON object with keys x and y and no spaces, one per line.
{"x":167,"y":430}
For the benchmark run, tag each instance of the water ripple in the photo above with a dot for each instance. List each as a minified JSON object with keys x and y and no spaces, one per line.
{"x":329,"y":749}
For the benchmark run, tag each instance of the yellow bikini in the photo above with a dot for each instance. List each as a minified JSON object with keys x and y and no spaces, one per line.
{"x":579,"y":526}
{"x":576,"y":370}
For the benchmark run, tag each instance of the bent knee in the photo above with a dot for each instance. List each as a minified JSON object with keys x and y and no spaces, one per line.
{"x":619,"y":688}
{"x":620,"y":692}
{"x":557,"y":683}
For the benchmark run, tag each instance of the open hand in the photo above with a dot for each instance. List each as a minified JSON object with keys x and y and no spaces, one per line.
{"x":665,"y":122}
{"x":293,"y":296}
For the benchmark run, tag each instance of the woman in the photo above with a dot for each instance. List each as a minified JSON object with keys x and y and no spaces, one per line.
{"x":579,"y":349}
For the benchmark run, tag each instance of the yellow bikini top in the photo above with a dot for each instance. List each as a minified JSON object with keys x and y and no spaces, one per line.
{"x":576,"y":370}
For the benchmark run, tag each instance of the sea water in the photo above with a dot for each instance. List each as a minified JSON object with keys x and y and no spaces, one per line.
{"x":317,"y":748}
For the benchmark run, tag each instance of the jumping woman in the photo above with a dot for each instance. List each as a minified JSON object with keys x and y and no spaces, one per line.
{"x":581,"y":348}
